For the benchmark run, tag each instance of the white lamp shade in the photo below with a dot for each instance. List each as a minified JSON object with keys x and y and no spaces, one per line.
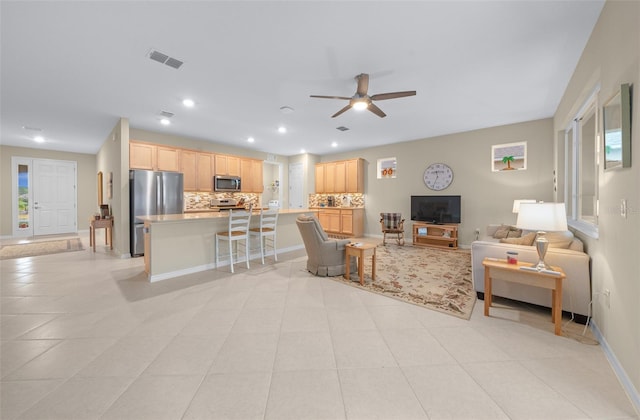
{"x":516,"y":204}
{"x":547,"y":217}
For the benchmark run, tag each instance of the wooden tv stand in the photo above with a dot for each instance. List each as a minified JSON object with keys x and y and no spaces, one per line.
{"x":439,"y":236}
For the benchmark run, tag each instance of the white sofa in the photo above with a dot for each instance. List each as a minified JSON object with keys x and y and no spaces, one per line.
{"x":576,"y":290}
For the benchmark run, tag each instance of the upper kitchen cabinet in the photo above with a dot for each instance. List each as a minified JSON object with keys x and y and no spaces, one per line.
{"x":153,"y":157}
{"x":354,"y":176}
{"x":339,"y":177}
{"x":251,"y":174}
{"x":197,"y":168}
{"x":227,"y":165}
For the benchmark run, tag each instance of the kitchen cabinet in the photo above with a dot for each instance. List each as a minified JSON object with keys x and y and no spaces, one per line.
{"x":251,"y":174}
{"x":339,"y":177}
{"x":354,"y":178}
{"x":342,"y":221}
{"x":197,"y":168}
{"x":227,"y":165}
{"x":153,"y":157}
{"x":320,"y":178}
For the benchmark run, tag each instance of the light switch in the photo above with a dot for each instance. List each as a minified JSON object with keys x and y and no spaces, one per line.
{"x":623,"y":208}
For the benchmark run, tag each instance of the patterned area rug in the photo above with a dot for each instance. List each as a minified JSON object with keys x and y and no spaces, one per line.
{"x":437,"y":279}
{"x":40,"y":248}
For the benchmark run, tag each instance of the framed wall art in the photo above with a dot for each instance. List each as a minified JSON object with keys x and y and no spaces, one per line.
{"x":616,"y":123}
{"x":509,"y":157}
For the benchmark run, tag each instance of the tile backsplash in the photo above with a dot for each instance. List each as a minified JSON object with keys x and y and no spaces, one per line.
{"x":201,"y":200}
{"x":320,"y":200}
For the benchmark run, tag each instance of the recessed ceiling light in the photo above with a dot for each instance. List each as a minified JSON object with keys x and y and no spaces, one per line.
{"x":251,"y":139}
{"x":165,"y":121}
{"x":188,"y":103}
{"x":38,"y":139}
{"x":303,"y":151}
{"x":334,"y":144}
{"x":282,"y":129}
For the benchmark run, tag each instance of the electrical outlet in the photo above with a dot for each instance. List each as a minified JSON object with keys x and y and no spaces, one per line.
{"x":607,"y":297}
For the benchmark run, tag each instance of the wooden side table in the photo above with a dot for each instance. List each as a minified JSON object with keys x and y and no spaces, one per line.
{"x":98,"y":224}
{"x":358,"y":251}
{"x":501,"y":270}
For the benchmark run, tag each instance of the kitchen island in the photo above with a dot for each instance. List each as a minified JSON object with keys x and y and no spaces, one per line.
{"x":180,"y":244}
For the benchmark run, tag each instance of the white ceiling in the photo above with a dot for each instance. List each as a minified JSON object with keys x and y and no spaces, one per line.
{"x":73,"y":69}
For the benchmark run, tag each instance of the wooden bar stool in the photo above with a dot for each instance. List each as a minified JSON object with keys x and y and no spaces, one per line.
{"x":238,"y":230}
{"x":266,"y":232}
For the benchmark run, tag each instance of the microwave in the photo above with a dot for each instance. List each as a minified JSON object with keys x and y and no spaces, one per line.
{"x":226,"y":183}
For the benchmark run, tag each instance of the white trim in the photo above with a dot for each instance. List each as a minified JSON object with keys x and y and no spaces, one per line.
{"x":624,"y":379}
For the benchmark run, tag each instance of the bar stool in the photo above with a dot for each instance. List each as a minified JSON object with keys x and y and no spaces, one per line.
{"x":268,"y":222}
{"x":238,"y":230}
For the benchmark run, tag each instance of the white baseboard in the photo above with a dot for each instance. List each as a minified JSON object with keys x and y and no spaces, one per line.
{"x":626,"y":383}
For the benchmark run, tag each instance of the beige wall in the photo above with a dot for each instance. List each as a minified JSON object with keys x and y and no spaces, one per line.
{"x":612,"y":57}
{"x":109,"y":160}
{"x":86,"y":178}
{"x":487,"y":197}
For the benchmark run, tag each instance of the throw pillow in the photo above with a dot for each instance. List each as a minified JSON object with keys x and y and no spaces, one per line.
{"x":514,"y":233}
{"x":559,"y":239}
{"x":501,"y":232}
{"x":523,"y":240}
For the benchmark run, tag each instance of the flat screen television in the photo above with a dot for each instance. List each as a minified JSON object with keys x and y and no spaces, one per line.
{"x":439,"y":209}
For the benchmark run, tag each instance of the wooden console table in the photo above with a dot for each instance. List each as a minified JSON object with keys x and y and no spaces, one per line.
{"x":439,"y":236}
{"x":501,"y":270}
{"x":107,"y":224}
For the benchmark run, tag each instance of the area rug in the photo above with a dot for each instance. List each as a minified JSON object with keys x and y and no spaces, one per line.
{"x":40,"y":248}
{"x":437,"y":279}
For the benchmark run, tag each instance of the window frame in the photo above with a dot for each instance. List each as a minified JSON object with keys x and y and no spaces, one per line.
{"x":572,"y":141}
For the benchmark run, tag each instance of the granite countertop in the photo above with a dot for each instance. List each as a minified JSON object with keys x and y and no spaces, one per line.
{"x":203,"y":215}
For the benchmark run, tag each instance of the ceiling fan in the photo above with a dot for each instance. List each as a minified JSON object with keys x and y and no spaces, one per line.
{"x":361,"y":100}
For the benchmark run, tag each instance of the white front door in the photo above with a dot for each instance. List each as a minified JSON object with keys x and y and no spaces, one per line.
{"x":54,"y":197}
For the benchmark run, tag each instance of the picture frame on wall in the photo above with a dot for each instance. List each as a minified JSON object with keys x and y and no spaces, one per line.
{"x":616,"y":127}
{"x":509,"y":157}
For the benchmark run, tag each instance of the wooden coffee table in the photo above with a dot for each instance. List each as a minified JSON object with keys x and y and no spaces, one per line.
{"x":501,"y":270}
{"x":358,"y":250}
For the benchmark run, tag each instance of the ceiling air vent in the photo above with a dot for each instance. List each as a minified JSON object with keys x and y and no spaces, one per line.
{"x":165,"y":59}
{"x":167,"y":114}
{"x":342,"y":128}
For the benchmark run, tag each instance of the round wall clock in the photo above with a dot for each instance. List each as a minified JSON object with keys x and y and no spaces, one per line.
{"x":438,"y":176}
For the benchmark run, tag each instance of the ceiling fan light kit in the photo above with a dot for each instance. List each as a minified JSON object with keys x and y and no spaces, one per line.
{"x":361,"y":99}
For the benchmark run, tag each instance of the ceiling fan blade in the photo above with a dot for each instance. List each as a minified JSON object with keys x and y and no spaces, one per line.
{"x":330,"y":97}
{"x":373,"y":108}
{"x":346,"y":108}
{"x":363,"y":84}
{"x":392,"y":95}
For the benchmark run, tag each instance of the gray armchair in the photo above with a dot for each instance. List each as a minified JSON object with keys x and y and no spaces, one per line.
{"x":326,"y":257}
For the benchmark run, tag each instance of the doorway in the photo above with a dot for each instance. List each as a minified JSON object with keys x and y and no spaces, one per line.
{"x":44,"y":196}
{"x":296,"y":183}
{"x":272,"y":176}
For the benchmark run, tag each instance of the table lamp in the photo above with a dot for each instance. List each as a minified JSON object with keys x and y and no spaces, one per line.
{"x":542,"y":217}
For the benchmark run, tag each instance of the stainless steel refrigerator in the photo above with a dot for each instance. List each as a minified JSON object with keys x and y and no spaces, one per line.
{"x":152,"y":193}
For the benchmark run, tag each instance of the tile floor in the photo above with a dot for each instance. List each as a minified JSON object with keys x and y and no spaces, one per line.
{"x":85,"y":336}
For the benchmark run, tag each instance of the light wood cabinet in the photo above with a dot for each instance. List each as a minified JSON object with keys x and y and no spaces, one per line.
{"x":142,"y":156}
{"x":227,"y":165}
{"x":320,"y":178}
{"x":339,"y":177}
{"x":168,"y":159}
{"x":189,"y":172}
{"x":204,"y":171}
{"x":251,"y":174}
{"x":354,"y":178}
{"x":439,"y":236}
{"x":197,"y":169}
{"x":345,"y":222}
{"x":153,"y":157}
